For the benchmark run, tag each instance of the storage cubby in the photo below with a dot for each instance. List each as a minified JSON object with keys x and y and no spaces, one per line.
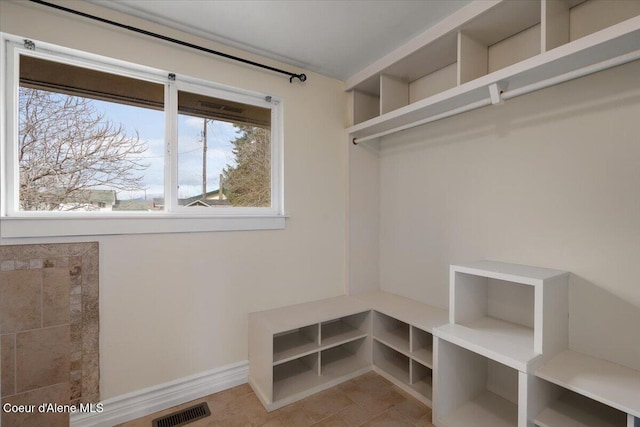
{"x":566,"y":408}
{"x":391,"y":362}
{"x":345,"y":329}
{"x":421,"y":379}
{"x":423,"y":73}
{"x":509,"y":312}
{"x":422,"y":346}
{"x":392,"y":332}
{"x":569,"y":20}
{"x":588,"y":391}
{"x":403,"y":343}
{"x":293,"y":343}
{"x":344,"y":359}
{"x":504,"y":35}
{"x":484,"y":392}
{"x":366,"y":105}
{"x":294,"y":376}
{"x":299,"y":350}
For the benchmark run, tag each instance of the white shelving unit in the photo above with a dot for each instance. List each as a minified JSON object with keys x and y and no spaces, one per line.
{"x":502,"y":360}
{"x":504,"y":319}
{"x":299,"y":350}
{"x":582,"y":390}
{"x":403,"y":342}
{"x":490,"y":51}
{"x":507,"y":312}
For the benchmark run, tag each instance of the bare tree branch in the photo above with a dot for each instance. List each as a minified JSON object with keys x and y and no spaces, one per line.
{"x":66,"y":149}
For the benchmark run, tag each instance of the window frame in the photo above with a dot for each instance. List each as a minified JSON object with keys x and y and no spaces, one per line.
{"x":173,"y":218}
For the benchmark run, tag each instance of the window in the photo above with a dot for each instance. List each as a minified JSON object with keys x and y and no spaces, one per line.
{"x":90,"y":137}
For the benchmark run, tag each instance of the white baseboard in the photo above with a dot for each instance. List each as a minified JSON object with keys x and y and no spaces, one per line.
{"x":143,"y":402}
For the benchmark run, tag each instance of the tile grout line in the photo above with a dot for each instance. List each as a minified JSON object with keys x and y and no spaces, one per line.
{"x":33,"y":389}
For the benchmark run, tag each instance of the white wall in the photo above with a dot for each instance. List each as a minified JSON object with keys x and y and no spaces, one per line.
{"x":549,"y":179}
{"x":172,"y":305}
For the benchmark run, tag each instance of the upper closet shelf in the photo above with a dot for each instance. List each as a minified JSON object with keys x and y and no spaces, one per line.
{"x":501,"y":52}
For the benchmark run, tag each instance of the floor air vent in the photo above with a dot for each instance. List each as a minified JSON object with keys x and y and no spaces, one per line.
{"x":184,"y":416}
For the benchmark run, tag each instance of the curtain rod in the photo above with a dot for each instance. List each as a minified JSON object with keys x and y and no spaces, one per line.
{"x":301,"y":77}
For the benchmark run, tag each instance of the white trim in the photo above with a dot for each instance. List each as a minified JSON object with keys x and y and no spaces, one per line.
{"x":143,"y":402}
{"x":97,"y":226}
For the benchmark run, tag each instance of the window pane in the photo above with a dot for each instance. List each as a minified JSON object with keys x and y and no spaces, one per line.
{"x":88,"y":140}
{"x":224,"y":153}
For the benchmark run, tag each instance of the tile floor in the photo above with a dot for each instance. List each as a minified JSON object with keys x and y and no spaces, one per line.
{"x":368,"y":400}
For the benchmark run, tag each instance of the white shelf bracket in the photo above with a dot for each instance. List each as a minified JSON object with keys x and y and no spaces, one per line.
{"x":495,"y":91}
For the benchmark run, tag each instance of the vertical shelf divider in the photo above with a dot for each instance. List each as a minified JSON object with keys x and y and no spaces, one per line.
{"x":394,"y":93}
{"x":473,"y":58}
{"x":555,"y":24}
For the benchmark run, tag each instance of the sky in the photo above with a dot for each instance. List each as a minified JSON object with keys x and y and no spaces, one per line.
{"x":150,"y":126}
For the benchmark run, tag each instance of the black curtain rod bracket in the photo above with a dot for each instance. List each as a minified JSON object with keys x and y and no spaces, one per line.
{"x":302,"y":77}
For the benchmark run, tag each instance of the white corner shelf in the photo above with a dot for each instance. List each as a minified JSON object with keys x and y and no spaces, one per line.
{"x":422,"y":316}
{"x":403,"y":343}
{"x":488,"y":52}
{"x":612,"y":384}
{"x":298,"y":350}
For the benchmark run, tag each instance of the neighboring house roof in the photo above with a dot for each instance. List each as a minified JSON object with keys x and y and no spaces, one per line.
{"x":206,"y":203}
{"x":209,"y":200}
{"x":132,"y":205}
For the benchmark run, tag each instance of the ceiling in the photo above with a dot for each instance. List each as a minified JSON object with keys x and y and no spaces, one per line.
{"x":330,"y":37}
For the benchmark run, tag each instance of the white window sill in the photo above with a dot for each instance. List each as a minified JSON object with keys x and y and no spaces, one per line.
{"x":14,"y":227}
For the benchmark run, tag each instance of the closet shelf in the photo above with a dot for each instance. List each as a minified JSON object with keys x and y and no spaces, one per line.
{"x":606,"y":382}
{"x":504,"y":342}
{"x":394,"y":340}
{"x":615,"y":45}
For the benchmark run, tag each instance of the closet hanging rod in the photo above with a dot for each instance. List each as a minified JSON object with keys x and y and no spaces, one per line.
{"x":508,"y":94}
{"x":302,"y":77}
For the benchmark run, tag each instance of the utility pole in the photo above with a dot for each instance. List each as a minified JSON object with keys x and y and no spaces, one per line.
{"x":204,"y":160}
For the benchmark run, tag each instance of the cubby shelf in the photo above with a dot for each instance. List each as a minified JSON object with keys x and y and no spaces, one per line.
{"x":296,"y":343}
{"x":484,"y":393}
{"x":502,"y":341}
{"x":498,"y":310}
{"x":403,"y":343}
{"x":302,"y":349}
{"x":609,"y":383}
{"x":574,"y":410}
{"x":488,"y":52}
{"x":504,"y":319}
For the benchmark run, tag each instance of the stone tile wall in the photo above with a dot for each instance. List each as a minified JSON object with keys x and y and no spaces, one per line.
{"x":49,"y":327}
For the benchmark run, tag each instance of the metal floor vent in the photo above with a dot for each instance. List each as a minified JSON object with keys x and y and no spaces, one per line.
{"x":184,"y":416}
